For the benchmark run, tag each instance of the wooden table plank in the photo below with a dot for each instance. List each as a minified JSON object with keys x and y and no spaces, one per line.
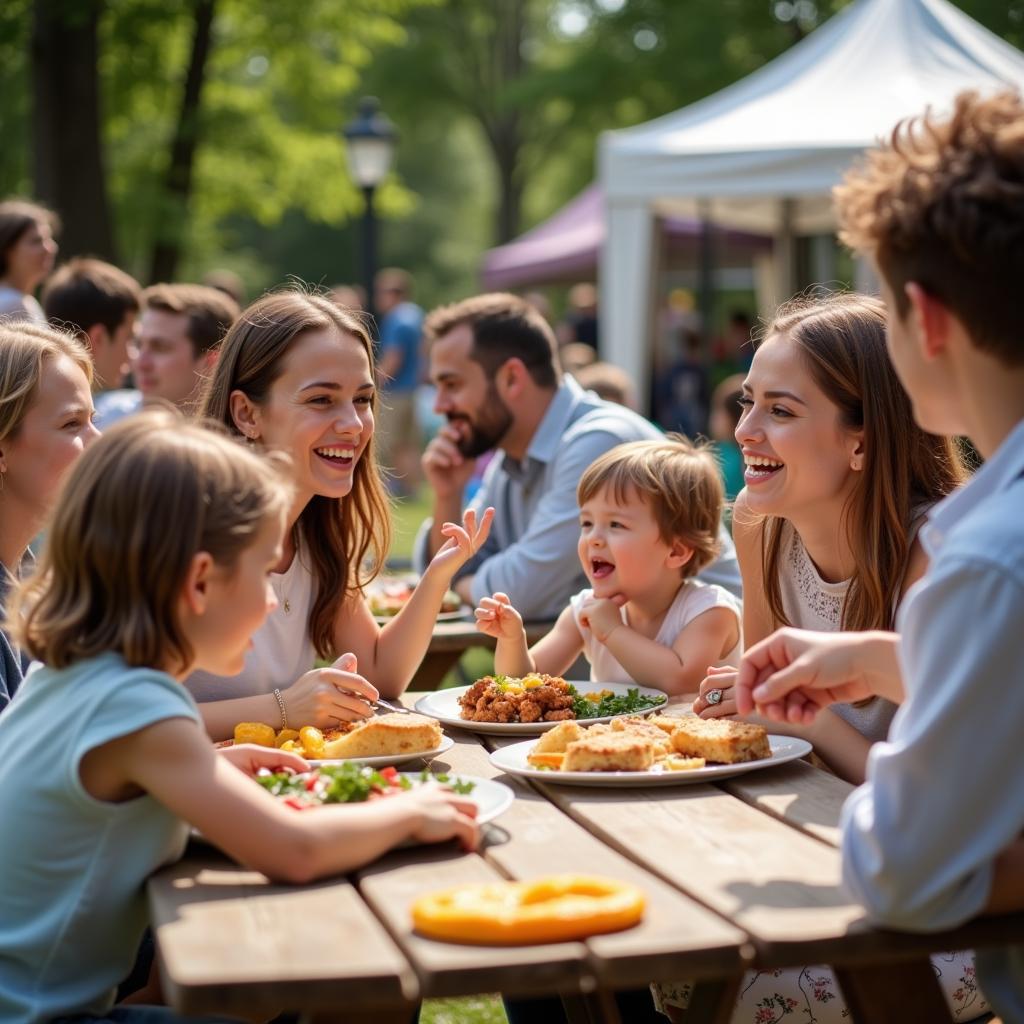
{"x":232,"y":942}
{"x":534,"y":838}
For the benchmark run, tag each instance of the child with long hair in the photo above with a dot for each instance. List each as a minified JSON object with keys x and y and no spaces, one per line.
{"x":649,"y":515}
{"x":157,"y":562}
{"x":295,"y":374}
{"x":838,"y":479}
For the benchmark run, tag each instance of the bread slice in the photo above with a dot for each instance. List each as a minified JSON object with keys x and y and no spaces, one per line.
{"x":554,"y":741}
{"x":387,"y":735}
{"x":720,"y":739}
{"x":609,"y":752}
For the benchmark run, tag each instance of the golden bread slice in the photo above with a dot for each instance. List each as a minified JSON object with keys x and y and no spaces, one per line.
{"x":609,"y":752}
{"x":387,"y":735}
{"x":554,"y":741}
{"x":678,"y":763}
{"x":667,"y":723}
{"x":720,"y":739}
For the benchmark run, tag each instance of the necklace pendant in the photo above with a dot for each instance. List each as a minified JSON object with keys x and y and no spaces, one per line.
{"x":287,"y":606}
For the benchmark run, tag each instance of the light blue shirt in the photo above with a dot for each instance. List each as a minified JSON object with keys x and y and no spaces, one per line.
{"x":945,"y":794}
{"x":531,"y":551}
{"x":74,"y":869}
{"x":115,"y":405}
{"x":401,"y":330}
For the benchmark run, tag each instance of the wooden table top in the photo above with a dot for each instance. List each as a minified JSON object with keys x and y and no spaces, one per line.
{"x":742,"y":873}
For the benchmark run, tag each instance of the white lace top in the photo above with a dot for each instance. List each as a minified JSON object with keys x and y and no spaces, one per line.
{"x":813,"y":603}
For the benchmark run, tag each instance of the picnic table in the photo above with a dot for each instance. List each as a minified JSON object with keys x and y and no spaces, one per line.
{"x":450,"y":640}
{"x":741,"y":874}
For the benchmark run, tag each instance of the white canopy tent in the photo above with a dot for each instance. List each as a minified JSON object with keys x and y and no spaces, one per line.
{"x":764,"y":153}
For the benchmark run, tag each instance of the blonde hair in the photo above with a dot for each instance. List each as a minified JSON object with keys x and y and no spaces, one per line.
{"x":677,"y":479}
{"x":337,"y":534}
{"x":24,"y":350}
{"x":841,"y":339}
{"x":137,"y":507}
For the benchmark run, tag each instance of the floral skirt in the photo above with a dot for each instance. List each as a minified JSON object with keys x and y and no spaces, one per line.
{"x":812,"y":994}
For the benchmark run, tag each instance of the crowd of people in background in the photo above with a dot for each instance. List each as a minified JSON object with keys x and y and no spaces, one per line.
{"x":828,"y":561}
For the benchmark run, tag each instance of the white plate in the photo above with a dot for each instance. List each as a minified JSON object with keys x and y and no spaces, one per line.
{"x":444,"y":706}
{"x":512,"y":759}
{"x":390,"y":759}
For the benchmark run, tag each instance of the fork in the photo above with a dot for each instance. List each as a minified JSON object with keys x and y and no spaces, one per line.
{"x":396,"y":708}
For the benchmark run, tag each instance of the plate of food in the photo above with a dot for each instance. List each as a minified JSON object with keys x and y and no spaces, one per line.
{"x":356,"y":783}
{"x":390,"y":739}
{"x":535,"y":703}
{"x":387,"y":596}
{"x":657,"y":751}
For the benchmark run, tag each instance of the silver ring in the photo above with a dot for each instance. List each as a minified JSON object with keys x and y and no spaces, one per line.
{"x":713,"y":696}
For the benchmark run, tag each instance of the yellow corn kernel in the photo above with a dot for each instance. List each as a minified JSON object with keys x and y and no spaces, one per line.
{"x":254,"y":732}
{"x":532,"y":682}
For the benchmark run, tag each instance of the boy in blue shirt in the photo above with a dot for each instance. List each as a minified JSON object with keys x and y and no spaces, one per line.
{"x":933,"y":837}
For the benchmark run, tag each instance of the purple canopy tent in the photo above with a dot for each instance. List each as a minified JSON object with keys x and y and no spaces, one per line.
{"x":566,"y":246}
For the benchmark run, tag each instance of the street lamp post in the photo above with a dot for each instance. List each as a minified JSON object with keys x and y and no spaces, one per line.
{"x":370,"y":145}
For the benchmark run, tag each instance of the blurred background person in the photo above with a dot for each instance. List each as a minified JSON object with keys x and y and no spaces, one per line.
{"x":725,"y":418}
{"x":400,"y":364}
{"x":175,"y":350}
{"x":575,"y":356}
{"x":99,"y":302}
{"x":540,"y":302}
{"x":27,"y":253}
{"x":733,"y":351}
{"x":580,"y":322}
{"x":609,"y":382}
{"x":681,"y":391}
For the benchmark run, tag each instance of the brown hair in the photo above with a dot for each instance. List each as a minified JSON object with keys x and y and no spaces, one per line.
{"x":85,"y":292}
{"x":607,"y":381}
{"x":942,"y":204}
{"x":139,"y":504}
{"x":842,"y":341}
{"x":16,"y":217}
{"x":210,"y":312}
{"x":24,"y":349}
{"x":677,"y":479}
{"x":338,"y":535}
{"x":504,"y":327}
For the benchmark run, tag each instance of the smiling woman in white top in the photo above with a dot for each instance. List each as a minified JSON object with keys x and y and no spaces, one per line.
{"x":27,"y":252}
{"x":296,"y":375}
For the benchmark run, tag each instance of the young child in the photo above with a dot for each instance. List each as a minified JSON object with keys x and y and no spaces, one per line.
{"x":158,"y":560}
{"x":649,"y":514}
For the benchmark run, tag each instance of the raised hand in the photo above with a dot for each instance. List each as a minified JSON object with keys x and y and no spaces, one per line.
{"x":602,"y":615}
{"x":445,"y":468}
{"x":462,"y":542}
{"x":794,"y":673}
{"x":496,"y":617}
{"x":327,"y":696}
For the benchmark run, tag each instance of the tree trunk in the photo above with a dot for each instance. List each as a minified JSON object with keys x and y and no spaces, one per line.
{"x":173,"y":214}
{"x":66,"y":139}
{"x":505,"y":133}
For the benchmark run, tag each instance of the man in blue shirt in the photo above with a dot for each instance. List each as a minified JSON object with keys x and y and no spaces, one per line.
{"x":499,"y":385}
{"x":401,"y":332}
{"x":933,"y":837}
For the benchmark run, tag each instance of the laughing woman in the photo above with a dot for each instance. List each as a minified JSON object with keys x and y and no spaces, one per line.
{"x":296,"y":375}
{"x":838,"y":480}
{"x":45,"y":424}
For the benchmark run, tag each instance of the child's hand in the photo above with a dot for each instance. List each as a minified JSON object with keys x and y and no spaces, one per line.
{"x":463,"y":541}
{"x":327,"y":696}
{"x":250,"y":758}
{"x":496,"y":617}
{"x":442,"y":815}
{"x":717,"y":696}
{"x":602,"y":615}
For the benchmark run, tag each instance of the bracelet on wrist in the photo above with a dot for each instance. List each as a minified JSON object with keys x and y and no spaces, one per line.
{"x":279,"y":697}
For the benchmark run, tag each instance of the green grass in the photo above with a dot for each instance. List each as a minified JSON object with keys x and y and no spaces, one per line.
{"x":408,"y":514}
{"x":471,"y":1010}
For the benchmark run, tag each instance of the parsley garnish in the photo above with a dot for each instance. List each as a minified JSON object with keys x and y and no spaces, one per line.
{"x":617,"y":704}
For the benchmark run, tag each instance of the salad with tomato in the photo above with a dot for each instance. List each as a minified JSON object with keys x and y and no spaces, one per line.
{"x":347,"y":783}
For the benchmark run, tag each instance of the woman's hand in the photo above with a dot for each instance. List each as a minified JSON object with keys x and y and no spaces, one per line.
{"x":250,"y":758}
{"x":496,"y":617}
{"x":720,"y":683}
{"x":602,"y":615}
{"x":440,"y":815}
{"x":327,"y":696}
{"x":462,"y":542}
